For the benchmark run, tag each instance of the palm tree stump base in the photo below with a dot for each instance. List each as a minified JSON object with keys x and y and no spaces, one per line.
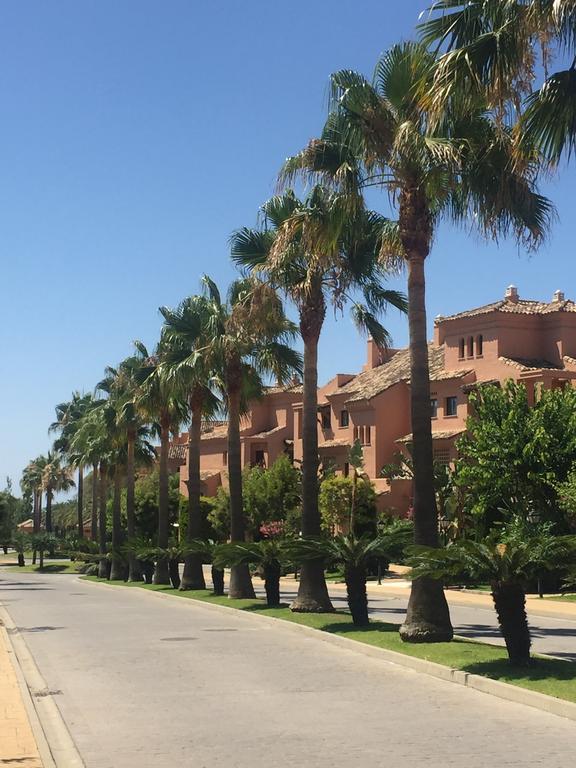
{"x":241,"y":587}
{"x":422,"y":632}
{"x":312,"y":594}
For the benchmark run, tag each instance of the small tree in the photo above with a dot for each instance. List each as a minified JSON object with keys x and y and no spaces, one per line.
{"x":338,"y":495}
{"x":268,"y":554}
{"x":354,"y":553}
{"x":515,"y":454}
{"x":507,"y":563}
{"x":21,"y":542}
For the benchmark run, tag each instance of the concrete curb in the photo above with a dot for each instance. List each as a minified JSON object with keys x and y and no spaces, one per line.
{"x":54,"y":742}
{"x":497,"y":688}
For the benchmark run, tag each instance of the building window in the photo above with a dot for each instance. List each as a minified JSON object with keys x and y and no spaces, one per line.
{"x":451,"y":406}
{"x":225,"y":458}
{"x":326,"y":420}
{"x":356,"y":433}
{"x":346,"y":469}
{"x":442,"y":456}
{"x":470,"y":346}
{"x":367,"y":435}
{"x":344,"y":418}
{"x":479,"y":345}
{"x":299,"y":425}
{"x":434,"y":407}
{"x":461,"y":348}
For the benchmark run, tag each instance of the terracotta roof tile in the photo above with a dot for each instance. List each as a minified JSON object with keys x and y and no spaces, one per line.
{"x":523,"y":364}
{"x":519,"y":307}
{"x":296,"y":388}
{"x":267,"y":433}
{"x":441,"y":434}
{"x":342,"y":443}
{"x":371,"y":383}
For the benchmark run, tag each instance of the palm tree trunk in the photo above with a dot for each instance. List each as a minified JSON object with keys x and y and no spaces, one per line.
{"x":312,"y":590}
{"x":117,"y":568}
{"x":161,"y":574}
{"x":217,"y":581}
{"x":193,"y":576}
{"x":240,"y":581}
{"x":272,"y":573}
{"x":94,"y":516}
{"x":427,"y":617}
{"x":355,"y":577}
{"x":510,"y":603}
{"x":80,"y":507}
{"x":37,"y":518}
{"x":48,"y":510}
{"x":103,"y":498}
{"x":134,"y":570}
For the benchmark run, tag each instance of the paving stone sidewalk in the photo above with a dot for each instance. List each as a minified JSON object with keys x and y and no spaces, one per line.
{"x":17,"y":743}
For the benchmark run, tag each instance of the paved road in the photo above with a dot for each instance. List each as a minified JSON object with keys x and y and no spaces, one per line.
{"x":148,"y":682}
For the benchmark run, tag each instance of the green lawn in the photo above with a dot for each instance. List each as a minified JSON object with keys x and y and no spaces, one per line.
{"x":553,"y":677}
{"x":565,"y":598}
{"x":61,"y":567}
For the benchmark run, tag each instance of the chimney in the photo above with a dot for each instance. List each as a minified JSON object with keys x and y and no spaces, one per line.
{"x":374,"y":355}
{"x":558,"y":296}
{"x":511,"y":294}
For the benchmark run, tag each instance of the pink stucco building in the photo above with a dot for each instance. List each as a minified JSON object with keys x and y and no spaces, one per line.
{"x":513,"y":338}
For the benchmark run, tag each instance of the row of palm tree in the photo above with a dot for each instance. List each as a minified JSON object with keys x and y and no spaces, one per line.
{"x":437,"y":131}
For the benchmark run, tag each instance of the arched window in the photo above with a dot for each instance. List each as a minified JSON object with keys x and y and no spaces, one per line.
{"x":461,"y":347}
{"x":470,"y":346}
{"x":479,"y":345}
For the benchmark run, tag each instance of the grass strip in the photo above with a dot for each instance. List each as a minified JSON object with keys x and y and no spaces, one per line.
{"x":553,"y":677}
{"x":64,"y":567}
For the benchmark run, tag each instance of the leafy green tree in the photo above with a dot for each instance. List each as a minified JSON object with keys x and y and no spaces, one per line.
{"x":507,"y":563}
{"x":271,"y":494}
{"x":318,"y":252}
{"x":498,"y":49}
{"x":515,"y":456}
{"x":337,"y":495}
{"x":457,"y":165}
{"x":146,"y":503}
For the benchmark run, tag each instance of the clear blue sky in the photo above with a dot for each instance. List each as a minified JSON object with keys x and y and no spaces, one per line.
{"x":136,"y":135}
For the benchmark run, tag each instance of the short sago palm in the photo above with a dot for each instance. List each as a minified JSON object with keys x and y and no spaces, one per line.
{"x":205,"y":550}
{"x":507,"y":566}
{"x":268,"y":555}
{"x":354,"y":554}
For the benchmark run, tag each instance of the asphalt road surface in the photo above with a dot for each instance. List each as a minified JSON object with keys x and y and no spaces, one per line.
{"x":148,"y":682}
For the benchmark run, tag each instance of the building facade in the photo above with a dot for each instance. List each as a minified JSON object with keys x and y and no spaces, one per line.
{"x":529,"y":341}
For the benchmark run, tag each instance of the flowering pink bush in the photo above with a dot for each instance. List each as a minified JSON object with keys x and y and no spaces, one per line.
{"x":272,"y":529}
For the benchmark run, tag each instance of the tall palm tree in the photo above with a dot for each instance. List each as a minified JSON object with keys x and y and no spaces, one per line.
{"x":160,"y":401}
{"x":91,"y":444}
{"x":495,"y":47}
{"x":189,"y":365}
{"x":55,"y":478}
{"x":459,"y":166}
{"x":317,"y":251}
{"x":68,"y":418}
{"x":249,"y":338}
{"x":123,"y":388}
{"x":31,"y":484}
